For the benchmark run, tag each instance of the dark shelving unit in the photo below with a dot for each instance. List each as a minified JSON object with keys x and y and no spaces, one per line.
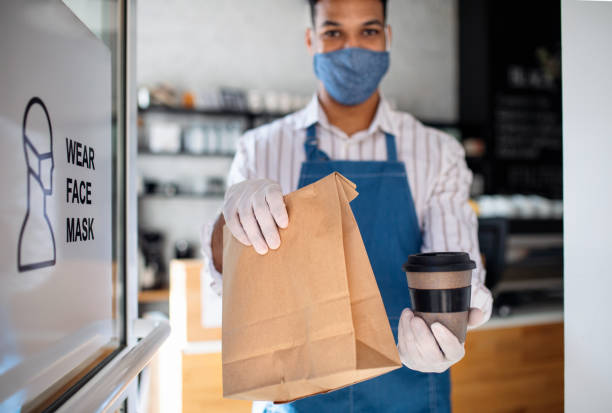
{"x":510,"y":93}
{"x":535,"y":226}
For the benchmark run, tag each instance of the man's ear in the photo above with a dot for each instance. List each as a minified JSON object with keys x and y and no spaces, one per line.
{"x":389,"y":37}
{"x":308,"y":40}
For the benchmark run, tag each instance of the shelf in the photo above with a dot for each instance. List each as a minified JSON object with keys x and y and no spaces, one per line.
{"x":535,"y":226}
{"x":530,"y":226}
{"x":218,"y":196}
{"x":153,"y":296}
{"x":210,"y":112}
{"x":186,"y":154}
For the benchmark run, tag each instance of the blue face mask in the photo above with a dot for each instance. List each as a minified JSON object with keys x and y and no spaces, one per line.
{"x":351,"y":75}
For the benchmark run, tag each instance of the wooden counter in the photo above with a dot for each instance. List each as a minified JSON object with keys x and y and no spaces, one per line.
{"x":513,"y":369}
{"x":512,"y":365}
{"x":200,"y":347}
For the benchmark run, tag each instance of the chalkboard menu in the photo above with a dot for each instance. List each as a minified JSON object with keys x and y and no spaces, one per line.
{"x":511,"y":92}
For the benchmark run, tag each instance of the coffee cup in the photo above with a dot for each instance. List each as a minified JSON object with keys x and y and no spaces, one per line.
{"x":440,"y":288}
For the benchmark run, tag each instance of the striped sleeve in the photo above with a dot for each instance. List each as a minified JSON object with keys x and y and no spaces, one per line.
{"x":242,"y":167}
{"x":450,"y":224}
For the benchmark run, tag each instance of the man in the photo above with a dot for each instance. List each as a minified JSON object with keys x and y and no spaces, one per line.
{"x":413,"y":187}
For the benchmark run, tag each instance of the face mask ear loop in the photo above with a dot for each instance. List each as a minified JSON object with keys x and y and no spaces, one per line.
{"x":387,"y":38}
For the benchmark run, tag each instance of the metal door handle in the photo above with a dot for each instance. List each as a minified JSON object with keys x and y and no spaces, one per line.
{"x":105,"y":388}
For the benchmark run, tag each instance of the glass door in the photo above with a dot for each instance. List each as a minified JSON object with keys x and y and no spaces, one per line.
{"x":63,"y":155}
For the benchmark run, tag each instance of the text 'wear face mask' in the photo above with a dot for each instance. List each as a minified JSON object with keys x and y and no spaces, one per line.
{"x":351,"y":75}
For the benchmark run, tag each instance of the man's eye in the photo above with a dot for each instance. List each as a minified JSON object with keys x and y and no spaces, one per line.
{"x":332,"y":33}
{"x":371,"y":32}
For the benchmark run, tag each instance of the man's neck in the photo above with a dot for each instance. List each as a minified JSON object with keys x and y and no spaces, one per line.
{"x":349,"y":119}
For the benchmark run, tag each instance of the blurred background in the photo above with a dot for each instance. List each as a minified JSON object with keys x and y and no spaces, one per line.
{"x":489,"y":73}
{"x":161,"y":92}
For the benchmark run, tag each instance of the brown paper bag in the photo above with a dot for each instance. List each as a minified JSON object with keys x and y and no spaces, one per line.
{"x":307,"y":318}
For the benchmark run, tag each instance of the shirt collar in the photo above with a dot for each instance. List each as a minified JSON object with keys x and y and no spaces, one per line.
{"x":314,"y":113}
{"x":311,"y":114}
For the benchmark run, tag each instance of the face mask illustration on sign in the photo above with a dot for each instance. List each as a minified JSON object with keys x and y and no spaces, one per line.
{"x":36,"y":247}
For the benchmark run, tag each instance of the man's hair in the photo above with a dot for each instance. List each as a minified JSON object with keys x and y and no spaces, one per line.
{"x":314,"y":2}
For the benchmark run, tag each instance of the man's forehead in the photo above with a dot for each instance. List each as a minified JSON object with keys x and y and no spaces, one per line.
{"x":340,"y":11}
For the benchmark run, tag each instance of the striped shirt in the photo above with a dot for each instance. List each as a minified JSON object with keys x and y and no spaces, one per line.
{"x":435,"y":164}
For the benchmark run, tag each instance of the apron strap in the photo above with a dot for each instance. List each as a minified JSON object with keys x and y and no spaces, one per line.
{"x":311,"y":145}
{"x":391,"y":151}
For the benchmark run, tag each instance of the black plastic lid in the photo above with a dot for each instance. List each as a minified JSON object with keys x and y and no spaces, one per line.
{"x":439,"y":262}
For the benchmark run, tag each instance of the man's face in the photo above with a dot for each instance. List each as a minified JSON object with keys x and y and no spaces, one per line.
{"x":341,"y":24}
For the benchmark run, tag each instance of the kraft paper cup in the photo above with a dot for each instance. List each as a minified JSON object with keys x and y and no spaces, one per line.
{"x":440,"y":287}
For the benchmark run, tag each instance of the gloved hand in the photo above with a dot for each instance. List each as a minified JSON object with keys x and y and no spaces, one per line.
{"x":423,"y":351}
{"x":253,"y":211}
{"x":482,"y":306}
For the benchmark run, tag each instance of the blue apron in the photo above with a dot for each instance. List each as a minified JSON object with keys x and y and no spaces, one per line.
{"x":387,"y":220}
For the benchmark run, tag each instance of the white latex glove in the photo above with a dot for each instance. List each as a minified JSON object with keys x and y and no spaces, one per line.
{"x":421,"y":350}
{"x":481,"y":304}
{"x":253,"y":211}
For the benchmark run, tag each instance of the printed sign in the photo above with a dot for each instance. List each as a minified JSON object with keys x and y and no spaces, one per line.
{"x":56,"y":287}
